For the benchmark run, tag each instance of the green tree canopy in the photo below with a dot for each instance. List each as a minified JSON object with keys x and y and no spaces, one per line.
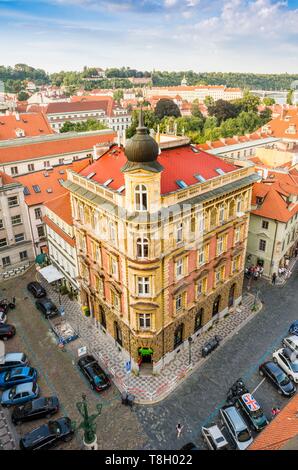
{"x":166,"y":107}
{"x":89,"y":125}
{"x":223,"y":110}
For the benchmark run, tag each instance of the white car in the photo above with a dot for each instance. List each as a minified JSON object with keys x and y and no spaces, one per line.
{"x":288,"y":362}
{"x":3,"y":317}
{"x":291,"y":342}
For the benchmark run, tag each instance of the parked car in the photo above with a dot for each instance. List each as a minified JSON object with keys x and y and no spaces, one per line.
{"x":291,"y":342}
{"x":277,"y":376}
{"x":293,"y":330}
{"x":11,"y":360}
{"x":251,"y":409}
{"x":237,"y":428}
{"x":7,"y":331}
{"x":214,"y":438}
{"x":20,"y":394}
{"x":38,"y":408}
{"x":93,"y":372}
{"x":36,"y":289}
{"x":3,"y":317}
{"x":189,"y":447}
{"x":18,"y":375}
{"x":47,"y":307}
{"x":48,"y":435}
{"x":288,"y":361}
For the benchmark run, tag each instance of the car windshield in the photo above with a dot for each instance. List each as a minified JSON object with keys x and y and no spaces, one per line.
{"x":54,"y":428}
{"x":12,"y":392}
{"x":283,"y":379}
{"x":294,"y":366}
{"x":34,"y":388}
{"x":244,"y":435}
{"x":257,"y":414}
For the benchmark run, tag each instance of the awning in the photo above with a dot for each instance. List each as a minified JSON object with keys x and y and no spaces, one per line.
{"x":40,"y":258}
{"x":51,"y":274}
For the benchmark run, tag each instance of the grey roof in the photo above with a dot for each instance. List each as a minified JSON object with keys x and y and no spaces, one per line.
{"x":243,"y":145}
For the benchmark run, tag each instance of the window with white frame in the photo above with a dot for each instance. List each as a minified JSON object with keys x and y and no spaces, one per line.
{"x":13,"y":201}
{"x":113,"y":233}
{"x":220,"y":245}
{"x":141,"y":197}
{"x":201,"y":256}
{"x":219,"y":275}
{"x":14,"y":170}
{"x":262,"y":245}
{"x":179,"y":233}
{"x":202,"y":286}
{"x":179,"y":268}
{"x":237,"y":234}
{"x":144,"y":321}
{"x":239,"y":205}
{"x":20,"y":237}
{"x":178,"y":302}
{"x":115,"y":300}
{"x":114,"y":267}
{"x":221,"y":214}
{"x":143,"y":284}
{"x":16,"y":220}
{"x":142,"y":248}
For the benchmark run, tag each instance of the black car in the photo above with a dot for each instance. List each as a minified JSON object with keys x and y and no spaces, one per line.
{"x":36,"y":289}
{"x":277,"y":376}
{"x":47,"y":307}
{"x":48,"y":435}
{"x":189,"y":447}
{"x":93,"y":372}
{"x":35,"y":409}
{"x":6,"y":331}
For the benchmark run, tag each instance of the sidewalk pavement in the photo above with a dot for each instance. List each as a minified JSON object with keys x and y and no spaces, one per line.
{"x":148,"y":389}
{"x":281,"y":280}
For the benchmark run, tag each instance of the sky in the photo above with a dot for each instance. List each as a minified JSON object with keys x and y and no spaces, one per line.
{"x":201,"y":35}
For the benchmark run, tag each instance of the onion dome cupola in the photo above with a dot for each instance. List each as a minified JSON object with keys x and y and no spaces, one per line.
{"x":142,"y":150}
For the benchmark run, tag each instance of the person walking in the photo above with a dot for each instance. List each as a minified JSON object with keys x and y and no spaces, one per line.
{"x":274,"y":278}
{"x":179,"y":429}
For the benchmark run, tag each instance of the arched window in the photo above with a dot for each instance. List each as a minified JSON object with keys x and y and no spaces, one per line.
{"x":232,"y":209}
{"x":142,"y":248}
{"x":178,"y":335}
{"x":231,"y":296}
{"x":199,"y":319}
{"x":141,"y":198}
{"x":213,"y":217}
{"x":118,"y":333}
{"x":102,"y":320}
{"x":216,"y":305}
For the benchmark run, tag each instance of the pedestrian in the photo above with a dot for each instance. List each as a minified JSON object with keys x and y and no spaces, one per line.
{"x":273,"y":278}
{"x":296,"y":252}
{"x":179,"y":429}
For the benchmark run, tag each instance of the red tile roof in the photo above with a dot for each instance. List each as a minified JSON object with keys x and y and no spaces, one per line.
{"x":32,"y":124}
{"x":62,"y":207}
{"x":279,"y":126}
{"x":29,"y":151}
{"x":48,"y":179}
{"x":275,"y":191}
{"x":6,"y":179}
{"x":180,"y":163}
{"x":281,"y":429}
{"x":63,"y":107}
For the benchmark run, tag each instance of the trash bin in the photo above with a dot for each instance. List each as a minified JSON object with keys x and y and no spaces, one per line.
{"x":130,"y":399}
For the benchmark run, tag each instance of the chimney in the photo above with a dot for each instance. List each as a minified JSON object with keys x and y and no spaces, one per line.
{"x":236,"y":137}
{"x":17,"y":116}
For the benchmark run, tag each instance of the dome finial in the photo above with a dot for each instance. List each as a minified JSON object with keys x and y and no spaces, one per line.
{"x":141,"y":119}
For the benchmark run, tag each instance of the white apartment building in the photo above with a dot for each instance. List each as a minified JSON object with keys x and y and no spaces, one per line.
{"x":191,"y":93}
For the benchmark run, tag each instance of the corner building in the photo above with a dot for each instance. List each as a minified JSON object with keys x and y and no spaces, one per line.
{"x":161,"y":238}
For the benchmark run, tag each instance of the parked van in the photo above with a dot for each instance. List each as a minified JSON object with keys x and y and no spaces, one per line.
{"x":238,"y":429}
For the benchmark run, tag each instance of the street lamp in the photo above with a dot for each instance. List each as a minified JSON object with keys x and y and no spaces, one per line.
{"x":255,"y":299}
{"x":88,"y":424}
{"x":190,"y":340}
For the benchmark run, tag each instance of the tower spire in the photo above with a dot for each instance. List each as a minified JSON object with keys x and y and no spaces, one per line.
{"x":141,"y":119}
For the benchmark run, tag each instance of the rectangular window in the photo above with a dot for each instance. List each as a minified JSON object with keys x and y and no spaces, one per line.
{"x":143,"y":286}
{"x":239,"y":205}
{"x":237,"y":234}
{"x":220,"y":245}
{"x":202,"y":287}
{"x":219,"y":275}
{"x":221,"y":214}
{"x":1,"y":224}
{"x":115,"y":300}
{"x":262,"y":245}
{"x":40,"y":231}
{"x":3,"y":242}
{"x":113,"y":233}
{"x":201,"y":256}
{"x":23,"y":255}
{"x":201,"y":223}
{"x":46,"y":163}
{"x":178,"y":302}
{"x":20,"y":237}
{"x":13,"y":201}
{"x":16,"y":220}
{"x":14,"y":170}
{"x":265,"y":224}
{"x":5,"y":261}
{"x":31,"y":167}
{"x":37,"y":212}
{"x":179,"y":234}
{"x":144,"y":321}
{"x":114,"y":267}
{"x":179,"y":268}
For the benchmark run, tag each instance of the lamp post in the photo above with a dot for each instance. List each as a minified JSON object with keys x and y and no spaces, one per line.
{"x":255,"y":299}
{"x":88,"y":424}
{"x":190,"y":340}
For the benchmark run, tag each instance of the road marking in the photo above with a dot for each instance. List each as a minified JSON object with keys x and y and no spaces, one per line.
{"x":263,"y":380}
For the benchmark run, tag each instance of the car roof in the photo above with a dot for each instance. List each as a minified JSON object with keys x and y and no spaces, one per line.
{"x":250,"y":397}
{"x":235,"y":416}
{"x":272,"y":367}
{"x":35,"y":284}
{"x":215,"y":432}
{"x":24,"y":387}
{"x":293,"y":338}
{"x":14,"y":356}
{"x":20,"y":370}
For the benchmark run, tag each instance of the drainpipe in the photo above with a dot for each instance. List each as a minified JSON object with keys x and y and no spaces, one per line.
{"x":31,"y":229}
{"x":276,"y":225}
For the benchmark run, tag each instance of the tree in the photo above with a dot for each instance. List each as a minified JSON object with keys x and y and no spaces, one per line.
{"x":249,"y":102}
{"x":118,"y":96}
{"x":150,"y":121}
{"x":265,"y":116}
{"x":223,"y":110}
{"x":23,"y":96}
{"x":209,"y":101}
{"x":290,"y":97}
{"x":195,"y":110}
{"x":267,"y":101}
{"x":166,"y":107}
{"x":89,"y":125}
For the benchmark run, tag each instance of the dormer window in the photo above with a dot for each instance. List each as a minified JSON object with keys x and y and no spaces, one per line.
{"x":259,"y":200}
{"x":20,"y":132}
{"x":141,"y":198}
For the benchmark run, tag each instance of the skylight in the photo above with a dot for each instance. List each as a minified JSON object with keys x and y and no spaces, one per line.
{"x":220,"y":171}
{"x":90,"y":175}
{"x":119,"y":190}
{"x":26,"y":191}
{"x":36,"y":188}
{"x":106,"y":183}
{"x":194,"y":149}
{"x":62,"y":172}
{"x":200,"y":178}
{"x":61,"y":181}
{"x":181,"y":184}
{"x":49,"y":190}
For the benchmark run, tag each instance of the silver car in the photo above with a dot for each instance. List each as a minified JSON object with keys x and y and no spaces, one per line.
{"x":237,"y":428}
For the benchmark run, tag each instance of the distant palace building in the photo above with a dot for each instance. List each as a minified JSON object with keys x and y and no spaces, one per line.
{"x":200,"y":92}
{"x":161,"y":237}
